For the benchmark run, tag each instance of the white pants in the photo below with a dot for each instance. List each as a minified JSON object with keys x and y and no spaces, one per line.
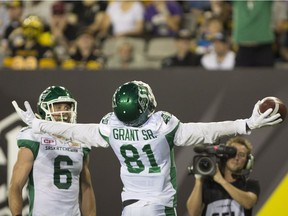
{"x":144,"y":208}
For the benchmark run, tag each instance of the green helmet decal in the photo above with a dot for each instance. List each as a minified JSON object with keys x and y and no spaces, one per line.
{"x":133,"y":103}
{"x":53,"y":95}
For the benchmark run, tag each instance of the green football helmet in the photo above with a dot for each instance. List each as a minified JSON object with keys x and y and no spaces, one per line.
{"x":133,"y":103}
{"x":53,"y":95}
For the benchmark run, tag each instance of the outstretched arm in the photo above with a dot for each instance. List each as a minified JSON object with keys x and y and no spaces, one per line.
{"x":83,"y":133}
{"x":195,"y":133}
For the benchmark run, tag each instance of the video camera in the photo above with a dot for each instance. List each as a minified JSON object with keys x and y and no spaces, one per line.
{"x":208,"y":156}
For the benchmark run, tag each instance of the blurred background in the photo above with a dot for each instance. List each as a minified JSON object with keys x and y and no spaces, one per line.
{"x":205,"y":61}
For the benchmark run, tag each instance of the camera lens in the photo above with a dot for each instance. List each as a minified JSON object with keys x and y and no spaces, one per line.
{"x":206,"y":166}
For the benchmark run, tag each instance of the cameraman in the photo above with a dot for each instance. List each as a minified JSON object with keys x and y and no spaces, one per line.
{"x":229,"y":192}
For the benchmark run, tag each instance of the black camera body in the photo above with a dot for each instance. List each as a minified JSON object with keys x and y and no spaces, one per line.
{"x":205,"y":162}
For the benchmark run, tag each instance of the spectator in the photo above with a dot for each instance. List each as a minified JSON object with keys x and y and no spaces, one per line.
{"x":4,"y":18}
{"x":280,"y":23}
{"x":89,"y":14}
{"x":84,"y":54}
{"x":211,"y":27}
{"x":126,"y":57}
{"x":30,"y":46}
{"x":63,"y":33}
{"x":126,"y":18}
{"x":40,"y":8}
{"x":254,"y":46}
{"x":163,"y":18}
{"x":184,"y":56}
{"x":221,"y":57}
{"x":15,"y":11}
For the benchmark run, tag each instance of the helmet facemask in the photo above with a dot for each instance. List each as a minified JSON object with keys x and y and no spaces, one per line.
{"x":52,"y":97}
{"x":65,"y":116}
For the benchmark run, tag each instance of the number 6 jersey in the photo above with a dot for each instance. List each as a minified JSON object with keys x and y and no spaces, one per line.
{"x":53,"y":183}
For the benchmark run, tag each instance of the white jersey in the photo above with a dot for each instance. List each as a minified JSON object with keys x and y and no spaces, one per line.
{"x":54,"y":179}
{"x":146,"y":156}
{"x":145,"y":153}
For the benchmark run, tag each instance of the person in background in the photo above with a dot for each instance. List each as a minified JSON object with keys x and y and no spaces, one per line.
{"x":15,"y":11}
{"x":126,"y":57}
{"x":253,"y":33}
{"x":220,"y":57}
{"x":163,"y":18}
{"x":229,"y":191}
{"x":30,"y":46}
{"x":56,"y":168}
{"x":125,"y":18}
{"x":63,"y":33}
{"x":184,"y":57}
{"x":143,"y":141}
{"x":89,"y":14}
{"x":84,"y":54}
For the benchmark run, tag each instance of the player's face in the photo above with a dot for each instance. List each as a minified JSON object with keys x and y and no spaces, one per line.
{"x":61,"y":111}
{"x":237,"y":163}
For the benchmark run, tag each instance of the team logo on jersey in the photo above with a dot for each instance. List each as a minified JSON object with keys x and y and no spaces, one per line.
{"x":48,"y":141}
{"x":166,"y":117}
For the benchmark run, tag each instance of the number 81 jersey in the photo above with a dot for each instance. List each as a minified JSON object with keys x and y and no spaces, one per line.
{"x":54,"y":179}
{"x":146,"y":156}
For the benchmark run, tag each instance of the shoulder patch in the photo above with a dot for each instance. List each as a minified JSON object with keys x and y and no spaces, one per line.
{"x":106,"y":118}
{"x":166,"y":117}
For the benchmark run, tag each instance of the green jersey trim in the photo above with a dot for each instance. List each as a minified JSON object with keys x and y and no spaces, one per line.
{"x":104,"y":137}
{"x":85,"y":153}
{"x":32,"y":145}
{"x":170,"y":136}
{"x":170,"y":139}
{"x":31,"y":192}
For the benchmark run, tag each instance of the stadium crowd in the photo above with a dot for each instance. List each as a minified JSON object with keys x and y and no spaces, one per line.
{"x":93,"y":34}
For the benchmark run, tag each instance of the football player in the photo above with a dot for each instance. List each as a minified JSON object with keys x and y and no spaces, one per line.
{"x":56,"y":168}
{"x":144,"y":140}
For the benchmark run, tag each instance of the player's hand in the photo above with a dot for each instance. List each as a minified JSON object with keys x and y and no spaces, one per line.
{"x":258,"y":120}
{"x":198,"y":176}
{"x":26,"y":116}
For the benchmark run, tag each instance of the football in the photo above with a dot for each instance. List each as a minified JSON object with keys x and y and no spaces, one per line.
{"x":275,"y":103}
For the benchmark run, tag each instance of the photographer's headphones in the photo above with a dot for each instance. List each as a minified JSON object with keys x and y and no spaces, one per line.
{"x":249,"y":163}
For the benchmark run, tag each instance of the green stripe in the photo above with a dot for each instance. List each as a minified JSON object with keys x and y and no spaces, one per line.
{"x":170,"y":139}
{"x":104,"y":137}
{"x":170,"y":136}
{"x":85,"y":152}
{"x":170,"y":211}
{"x":31,"y":192}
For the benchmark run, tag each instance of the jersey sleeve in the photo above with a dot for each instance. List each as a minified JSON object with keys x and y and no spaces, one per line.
{"x":84,"y":133}
{"x":26,"y":139}
{"x":196,"y":133}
